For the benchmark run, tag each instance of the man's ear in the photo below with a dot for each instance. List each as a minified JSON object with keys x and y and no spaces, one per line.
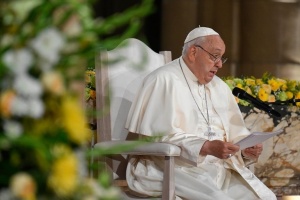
{"x":192,"y":53}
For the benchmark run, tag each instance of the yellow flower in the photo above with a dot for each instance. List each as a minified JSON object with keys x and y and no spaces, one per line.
{"x":93,"y":94}
{"x":239,"y":85}
{"x":250,"y":81}
{"x":282,"y":84}
{"x":23,"y":186}
{"x":281,"y":81}
{"x":263,"y":95}
{"x":289,"y":94}
{"x":63,"y":178}
{"x":298,"y":97}
{"x":74,"y":121}
{"x":259,"y":81}
{"x":267,"y":88}
{"x":274,"y":84}
{"x":89,"y":75}
{"x":284,"y":87}
{"x":271,"y":98}
{"x":248,"y":90}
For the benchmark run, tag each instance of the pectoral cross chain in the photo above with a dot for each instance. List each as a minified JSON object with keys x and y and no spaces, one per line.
{"x":210,"y":133}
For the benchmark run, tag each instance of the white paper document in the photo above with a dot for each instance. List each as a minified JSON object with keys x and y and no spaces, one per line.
{"x":256,"y":138}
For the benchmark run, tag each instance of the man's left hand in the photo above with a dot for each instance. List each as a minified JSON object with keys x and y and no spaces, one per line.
{"x":253,"y":152}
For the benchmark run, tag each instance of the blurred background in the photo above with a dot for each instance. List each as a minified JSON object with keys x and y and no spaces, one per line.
{"x":260,"y":35}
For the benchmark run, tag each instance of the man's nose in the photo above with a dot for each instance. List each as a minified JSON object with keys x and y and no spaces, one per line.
{"x":219,"y":64}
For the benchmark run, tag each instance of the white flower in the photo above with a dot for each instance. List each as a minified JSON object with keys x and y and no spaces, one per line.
{"x":12,"y":129}
{"x":23,"y":186}
{"x":18,"y":60}
{"x":32,"y":107}
{"x":27,"y":86}
{"x":48,"y":44}
{"x":6,"y":194}
{"x":36,"y":108}
{"x":19,"y":107}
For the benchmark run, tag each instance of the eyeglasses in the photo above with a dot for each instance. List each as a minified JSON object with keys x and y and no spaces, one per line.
{"x":215,"y":59}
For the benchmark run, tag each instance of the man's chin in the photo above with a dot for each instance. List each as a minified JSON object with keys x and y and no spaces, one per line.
{"x":208,"y":79}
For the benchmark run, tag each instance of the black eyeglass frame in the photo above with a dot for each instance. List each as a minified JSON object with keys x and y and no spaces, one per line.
{"x":216,"y":59}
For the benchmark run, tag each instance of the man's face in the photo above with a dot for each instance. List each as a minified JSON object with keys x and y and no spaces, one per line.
{"x":207,"y":58}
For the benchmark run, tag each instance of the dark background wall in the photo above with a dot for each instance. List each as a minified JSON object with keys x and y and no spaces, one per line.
{"x":151,"y":30}
{"x":260,"y":35}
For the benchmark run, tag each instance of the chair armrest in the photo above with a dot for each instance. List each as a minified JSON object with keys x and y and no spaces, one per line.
{"x":151,"y":148}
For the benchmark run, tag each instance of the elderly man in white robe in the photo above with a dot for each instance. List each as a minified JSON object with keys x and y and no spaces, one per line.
{"x":189,"y":106}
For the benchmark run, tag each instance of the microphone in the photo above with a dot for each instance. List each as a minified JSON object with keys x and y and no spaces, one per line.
{"x":242,"y":94}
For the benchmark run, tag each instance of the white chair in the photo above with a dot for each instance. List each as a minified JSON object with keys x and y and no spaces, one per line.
{"x":121,"y":71}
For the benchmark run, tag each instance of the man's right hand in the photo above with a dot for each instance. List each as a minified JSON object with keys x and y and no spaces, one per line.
{"x":219,"y":149}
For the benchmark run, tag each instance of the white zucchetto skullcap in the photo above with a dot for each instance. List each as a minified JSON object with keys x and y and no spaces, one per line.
{"x":199,"y":32}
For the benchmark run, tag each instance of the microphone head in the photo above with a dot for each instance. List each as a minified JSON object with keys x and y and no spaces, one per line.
{"x":238,"y":92}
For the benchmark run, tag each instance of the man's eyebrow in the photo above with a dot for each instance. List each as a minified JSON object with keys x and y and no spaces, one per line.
{"x":217,"y":50}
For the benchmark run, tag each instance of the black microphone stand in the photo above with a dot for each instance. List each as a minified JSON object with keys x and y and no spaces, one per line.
{"x":291,"y":101}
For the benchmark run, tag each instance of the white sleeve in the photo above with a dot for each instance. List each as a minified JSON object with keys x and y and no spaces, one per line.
{"x":190,"y":145}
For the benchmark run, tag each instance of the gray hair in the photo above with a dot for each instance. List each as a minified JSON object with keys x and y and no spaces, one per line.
{"x":199,"y":41}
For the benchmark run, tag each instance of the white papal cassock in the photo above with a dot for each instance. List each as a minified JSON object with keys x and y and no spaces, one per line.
{"x":165,"y":106}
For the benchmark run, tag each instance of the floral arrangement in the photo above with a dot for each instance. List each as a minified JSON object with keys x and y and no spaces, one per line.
{"x":268,"y":89}
{"x":45,"y":48}
{"x":90,"y":89}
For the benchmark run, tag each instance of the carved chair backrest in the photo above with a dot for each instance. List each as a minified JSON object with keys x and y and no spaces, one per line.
{"x":119,"y":74}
